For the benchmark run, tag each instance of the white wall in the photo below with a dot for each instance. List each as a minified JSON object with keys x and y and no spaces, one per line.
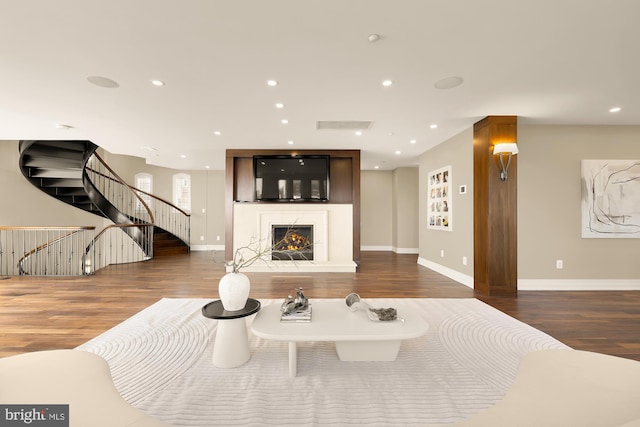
{"x":549,"y":209}
{"x":389,"y":210}
{"x":376,"y":192}
{"x":457,"y":243}
{"x":405,"y":210}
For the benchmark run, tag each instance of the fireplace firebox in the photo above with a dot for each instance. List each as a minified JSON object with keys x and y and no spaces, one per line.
{"x":292,"y":242}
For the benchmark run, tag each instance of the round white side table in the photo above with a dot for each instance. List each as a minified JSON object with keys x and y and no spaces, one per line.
{"x":231,"y":348}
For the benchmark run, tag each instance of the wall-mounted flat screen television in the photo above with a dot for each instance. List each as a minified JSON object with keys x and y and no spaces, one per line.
{"x":302,"y":178}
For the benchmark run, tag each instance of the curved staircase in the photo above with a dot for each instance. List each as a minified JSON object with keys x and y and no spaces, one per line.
{"x":74,"y":173}
{"x":56,"y":167}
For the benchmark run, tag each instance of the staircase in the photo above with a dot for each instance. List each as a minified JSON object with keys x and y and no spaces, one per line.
{"x":55,"y":167}
{"x":73,"y":172}
{"x":165,"y":243}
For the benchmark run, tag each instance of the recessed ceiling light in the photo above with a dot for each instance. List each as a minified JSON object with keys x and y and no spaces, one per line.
{"x":359,"y":132}
{"x":434,"y":126}
{"x":184,"y":156}
{"x":217,"y":133}
{"x":103,"y":82}
{"x":279,"y":105}
{"x":157,"y":82}
{"x":63,"y":126}
{"x":290,"y":142}
{"x":272,"y":83}
{"x":284,"y":121}
{"x":376,"y":167}
{"x":387,"y":83}
{"x":207,"y":167}
{"x":398,"y":152}
{"x":413,"y":141}
{"x":374,"y":38}
{"x":614,"y":109}
{"x":448,"y":82}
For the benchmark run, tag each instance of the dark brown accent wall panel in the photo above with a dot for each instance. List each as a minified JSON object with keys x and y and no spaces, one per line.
{"x":495,"y":209}
{"x":244,"y":190}
{"x":341,"y":180}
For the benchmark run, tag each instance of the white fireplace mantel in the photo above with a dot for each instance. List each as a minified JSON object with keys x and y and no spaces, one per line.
{"x":333,"y":234}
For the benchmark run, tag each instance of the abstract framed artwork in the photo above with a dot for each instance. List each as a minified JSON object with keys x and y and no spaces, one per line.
{"x":439,"y":208}
{"x":611,"y":198}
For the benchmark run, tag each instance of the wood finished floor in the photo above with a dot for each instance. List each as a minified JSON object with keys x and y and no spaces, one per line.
{"x":40,"y":313}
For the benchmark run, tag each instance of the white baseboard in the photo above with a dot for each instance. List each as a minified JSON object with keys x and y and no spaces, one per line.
{"x":389,"y":249}
{"x":377,"y":248}
{"x":446,"y":271}
{"x":578,"y":285}
{"x":207,"y":247}
{"x":405,"y":250}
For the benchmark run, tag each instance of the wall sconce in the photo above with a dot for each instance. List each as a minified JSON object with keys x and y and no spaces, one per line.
{"x":502,"y":150}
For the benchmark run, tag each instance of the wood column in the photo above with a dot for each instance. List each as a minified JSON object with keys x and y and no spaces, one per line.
{"x":495,"y":209}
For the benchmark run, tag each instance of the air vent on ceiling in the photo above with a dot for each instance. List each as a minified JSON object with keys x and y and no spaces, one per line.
{"x":343,"y":125}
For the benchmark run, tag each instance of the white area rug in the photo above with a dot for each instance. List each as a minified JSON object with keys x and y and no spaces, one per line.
{"x":161,"y":363}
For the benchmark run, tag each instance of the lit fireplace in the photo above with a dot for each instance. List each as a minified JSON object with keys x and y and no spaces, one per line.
{"x":292,"y":242}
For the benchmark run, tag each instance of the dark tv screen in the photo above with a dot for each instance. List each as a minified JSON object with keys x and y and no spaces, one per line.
{"x":291,"y":178}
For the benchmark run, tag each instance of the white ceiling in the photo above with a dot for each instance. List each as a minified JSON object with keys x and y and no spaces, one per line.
{"x":546,"y":61}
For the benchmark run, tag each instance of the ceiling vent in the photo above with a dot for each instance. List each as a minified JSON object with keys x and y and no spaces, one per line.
{"x":343,"y":125}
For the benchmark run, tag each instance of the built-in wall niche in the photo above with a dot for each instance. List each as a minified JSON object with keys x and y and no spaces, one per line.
{"x":343,"y":187}
{"x":301,"y":178}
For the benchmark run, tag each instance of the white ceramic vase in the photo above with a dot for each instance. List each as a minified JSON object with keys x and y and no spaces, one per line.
{"x":233,"y":290}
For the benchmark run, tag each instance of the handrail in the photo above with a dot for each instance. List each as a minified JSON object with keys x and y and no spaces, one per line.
{"x":185,"y":213}
{"x":117,"y":200}
{"x":56,"y":227}
{"x":119,"y":181}
{"x":64,"y":250}
{"x":41,"y":250}
{"x":60,"y":250}
{"x":130,"y":251}
{"x":50,"y":242}
{"x":162,"y":213}
{"x":110,"y":226}
{"x":137,"y":189}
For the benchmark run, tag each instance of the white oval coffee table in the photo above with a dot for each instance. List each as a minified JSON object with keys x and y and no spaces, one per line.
{"x":357,"y":338}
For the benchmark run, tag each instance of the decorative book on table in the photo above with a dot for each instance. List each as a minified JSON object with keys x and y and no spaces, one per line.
{"x":302,"y":315}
